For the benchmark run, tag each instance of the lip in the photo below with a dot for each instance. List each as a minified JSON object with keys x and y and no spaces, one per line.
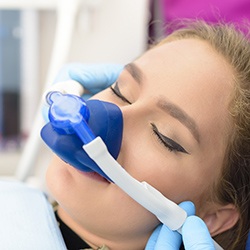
{"x":93,"y":176}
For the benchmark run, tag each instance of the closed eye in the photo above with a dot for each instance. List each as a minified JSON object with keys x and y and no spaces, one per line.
{"x":118,"y":93}
{"x":170,"y":144}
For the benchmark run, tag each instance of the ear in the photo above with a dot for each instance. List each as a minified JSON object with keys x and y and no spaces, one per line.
{"x":221,"y":219}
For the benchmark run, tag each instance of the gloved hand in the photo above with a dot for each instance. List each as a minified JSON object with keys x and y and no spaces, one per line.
{"x":195,"y":234}
{"x":93,"y":77}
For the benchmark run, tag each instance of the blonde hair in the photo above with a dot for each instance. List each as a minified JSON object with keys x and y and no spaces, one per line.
{"x":234,"y":185}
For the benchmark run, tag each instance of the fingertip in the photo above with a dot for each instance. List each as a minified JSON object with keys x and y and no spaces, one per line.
{"x":196,"y":222}
{"x":188,"y":206}
{"x":168,"y":239}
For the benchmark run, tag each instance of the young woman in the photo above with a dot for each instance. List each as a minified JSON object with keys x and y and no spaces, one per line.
{"x":185,"y":105}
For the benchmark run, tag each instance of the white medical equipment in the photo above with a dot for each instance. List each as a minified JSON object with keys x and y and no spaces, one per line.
{"x":94,"y":18}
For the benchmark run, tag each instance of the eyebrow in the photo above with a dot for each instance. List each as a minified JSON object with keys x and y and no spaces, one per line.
{"x":135,"y":72}
{"x":179,"y":114}
{"x":168,"y":107}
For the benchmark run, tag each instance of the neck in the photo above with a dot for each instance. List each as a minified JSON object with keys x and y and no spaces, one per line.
{"x":95,"y":240}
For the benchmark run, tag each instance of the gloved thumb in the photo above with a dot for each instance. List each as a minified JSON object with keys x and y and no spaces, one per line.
{"x":164,"y":238}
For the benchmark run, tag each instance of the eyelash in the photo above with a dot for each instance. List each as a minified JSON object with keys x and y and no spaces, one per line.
{"x":117,"y":92}
{"x":171,"y":145}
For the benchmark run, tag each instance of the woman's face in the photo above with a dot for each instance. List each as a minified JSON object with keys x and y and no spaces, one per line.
{"x":174,"y":102}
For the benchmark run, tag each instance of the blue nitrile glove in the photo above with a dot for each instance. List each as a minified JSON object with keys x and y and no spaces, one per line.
{"x":93,"y":77}
{"x":195,"y":234}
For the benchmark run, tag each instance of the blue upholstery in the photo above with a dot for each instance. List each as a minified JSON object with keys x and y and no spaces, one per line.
{"x":27,"y":220}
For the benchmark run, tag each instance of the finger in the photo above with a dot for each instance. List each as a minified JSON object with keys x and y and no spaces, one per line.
{"x":153,"y":238}
{"x":168,"y":239}
{"x":196,"y":235}
{"x":164,"y":238}
{"x":95,"y":75}
{"x":188,"y":206}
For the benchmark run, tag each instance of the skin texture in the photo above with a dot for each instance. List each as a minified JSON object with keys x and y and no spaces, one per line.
{"x":188,"y":74}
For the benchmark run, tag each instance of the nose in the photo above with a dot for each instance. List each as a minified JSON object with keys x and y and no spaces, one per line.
{"x":134,"y":119}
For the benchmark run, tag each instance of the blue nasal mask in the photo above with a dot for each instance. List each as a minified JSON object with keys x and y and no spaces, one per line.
{"x":74,"y":122}
{"x":88,"y":136}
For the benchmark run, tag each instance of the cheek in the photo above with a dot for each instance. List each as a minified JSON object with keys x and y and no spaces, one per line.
{"x":54,"y":173}
{"x":146,"y":160}
{"x":59,"y":179}
{"x":176,"y":176}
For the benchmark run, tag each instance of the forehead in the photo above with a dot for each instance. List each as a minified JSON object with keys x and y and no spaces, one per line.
{"x":185,"y":52}
{"x":187,"y":63}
